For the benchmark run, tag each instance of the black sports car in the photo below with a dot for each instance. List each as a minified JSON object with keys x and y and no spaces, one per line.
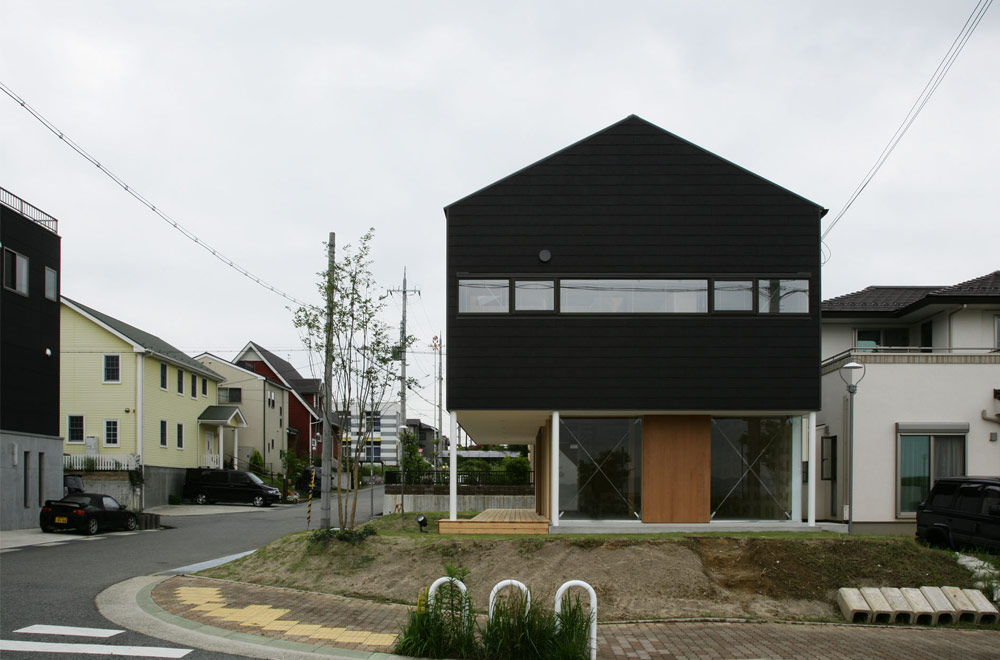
{"x":86,"y":512}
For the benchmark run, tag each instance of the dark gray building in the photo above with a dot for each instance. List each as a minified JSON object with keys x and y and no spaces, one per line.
{"x":30,"y":446}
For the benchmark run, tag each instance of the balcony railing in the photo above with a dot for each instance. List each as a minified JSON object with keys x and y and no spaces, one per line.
{"x":11,"y":200}
{"x":100,"y":462}
{"x":914,"y":354}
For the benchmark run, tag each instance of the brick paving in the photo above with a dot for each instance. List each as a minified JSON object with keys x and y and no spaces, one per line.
{"x":346,"y":623}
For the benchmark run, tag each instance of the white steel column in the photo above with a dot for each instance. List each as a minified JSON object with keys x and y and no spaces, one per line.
{"x":222,"y":441}
{"x":813,"y":469}
{"x":453,"y":468}
{"x":554,"y":476}
{"x":236,"y":447}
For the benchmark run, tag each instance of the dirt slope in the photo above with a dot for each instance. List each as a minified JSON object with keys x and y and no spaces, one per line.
{"x":635,"y":578}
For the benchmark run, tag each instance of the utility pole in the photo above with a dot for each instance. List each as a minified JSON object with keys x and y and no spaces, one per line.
{"x":401,"y":427}
{"x":327,"y":466}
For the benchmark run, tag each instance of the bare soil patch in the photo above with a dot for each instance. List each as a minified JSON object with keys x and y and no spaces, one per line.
{"x":635,"y":577}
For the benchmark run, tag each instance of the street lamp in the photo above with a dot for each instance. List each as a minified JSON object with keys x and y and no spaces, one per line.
{"x":852,"y":388}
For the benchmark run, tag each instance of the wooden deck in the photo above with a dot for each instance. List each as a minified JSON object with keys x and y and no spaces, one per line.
{"x":497,"y":521}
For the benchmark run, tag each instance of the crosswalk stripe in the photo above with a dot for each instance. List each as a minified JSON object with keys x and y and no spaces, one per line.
{"x":94,"y":649}
{"x":42,"y":629}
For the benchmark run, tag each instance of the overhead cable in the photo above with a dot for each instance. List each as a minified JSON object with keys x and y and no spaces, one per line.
{"x":145,"y":202}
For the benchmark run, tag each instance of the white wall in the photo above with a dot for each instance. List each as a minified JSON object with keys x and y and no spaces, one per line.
{"x":909,"y":393}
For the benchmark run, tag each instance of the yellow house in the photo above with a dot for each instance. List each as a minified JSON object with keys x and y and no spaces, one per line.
{"x":130,"y":400}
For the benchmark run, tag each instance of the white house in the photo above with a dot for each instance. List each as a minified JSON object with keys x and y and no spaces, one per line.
{"x":927,"y":403}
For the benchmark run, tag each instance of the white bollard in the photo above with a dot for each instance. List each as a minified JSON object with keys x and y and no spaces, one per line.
{"x":511,"y":583}
{"x":455,"y":583}
{"x":593,"y":610}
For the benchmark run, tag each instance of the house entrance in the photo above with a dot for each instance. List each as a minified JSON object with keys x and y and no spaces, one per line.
{"x":600,"y":476}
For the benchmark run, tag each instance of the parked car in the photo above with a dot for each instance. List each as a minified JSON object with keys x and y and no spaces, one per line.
{"x":962,"y":512}
{"x":85,"y":512}
{"x":207,"y":486}
{"x":72,"y":483}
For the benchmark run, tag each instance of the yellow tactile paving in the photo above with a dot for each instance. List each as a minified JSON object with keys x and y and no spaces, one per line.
{"x":210,"y":602}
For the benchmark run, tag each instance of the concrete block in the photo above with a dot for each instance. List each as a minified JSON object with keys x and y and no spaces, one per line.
{"x":902,"y":611}
{"x":987,"y":611}
{"x":964,"y":609}
{"x":923,"y":613}
{"x":881,"y":611}
{"x":853,"y":605}
{"x":944,"y":611}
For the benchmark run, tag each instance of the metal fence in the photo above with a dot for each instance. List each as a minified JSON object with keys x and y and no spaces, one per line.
{"x":8,"y":198}
{"x":465,"y":478}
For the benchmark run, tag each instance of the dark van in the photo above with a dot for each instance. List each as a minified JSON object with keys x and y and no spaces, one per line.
{"x":962,"y":512}
{"x":208,"y":486}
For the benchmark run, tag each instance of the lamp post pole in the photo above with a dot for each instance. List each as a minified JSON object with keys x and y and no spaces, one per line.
{"x":852,"y":388}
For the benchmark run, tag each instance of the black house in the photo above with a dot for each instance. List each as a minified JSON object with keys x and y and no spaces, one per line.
{"x":648,"y":314}
{"x":30,"y":446}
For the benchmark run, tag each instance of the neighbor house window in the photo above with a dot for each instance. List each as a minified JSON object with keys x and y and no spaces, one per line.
{"x":163,"y":433}
{"x":783,"y":296}
{"x":15,"y":272}
{"x":926,"y":453}
{"x":180,"y":436}
{"x":732,"y":296}
{"x":163,"y":376}
{"x":111,"y":432}
{"x":230,"y":395}
{"x":997,"y":333}
{"x":74,"y":429}
{"x":112,"y":368}
{"x":633,"y":296}
{"x":483,"y":296}
{"x":194,"y":386}
{"x":204,"y":387}
{"x":872,"y":339}
{"x":51,"y":284}
{"x":180,"y":381}
{"x":534,"y":296}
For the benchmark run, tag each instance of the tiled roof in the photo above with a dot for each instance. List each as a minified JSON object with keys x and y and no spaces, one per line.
{"x":147,"y":341}
{"x":987,"y":285}
{"x":896,"y":298}
{"x":878,"y":299}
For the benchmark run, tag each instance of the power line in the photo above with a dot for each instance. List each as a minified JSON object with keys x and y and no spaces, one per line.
{"x":935,"y":80}
{"x":142,"y":200}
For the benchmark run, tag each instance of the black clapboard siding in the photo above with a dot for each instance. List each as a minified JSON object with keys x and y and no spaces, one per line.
{"x":29,"y":388}
{"x":633,"y":200}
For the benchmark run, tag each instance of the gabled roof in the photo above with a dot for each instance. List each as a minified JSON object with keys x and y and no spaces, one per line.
{"x":241,"y":369}
{"x":589,"y":147}
{"x":228,"y":415}
{"x":140,"y":339}
{"x":901,"y":300}
{"x":288,"y":374}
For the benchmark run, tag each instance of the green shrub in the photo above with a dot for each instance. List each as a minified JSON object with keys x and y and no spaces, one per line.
{"x":352,"y":536}
{"x":441,"y":630}
{"x":257,"y":463}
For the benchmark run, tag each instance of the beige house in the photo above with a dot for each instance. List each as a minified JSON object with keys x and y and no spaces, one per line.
{"x":131,"y":401}
{"x":927,"y":403}
{"x":264,"y":405}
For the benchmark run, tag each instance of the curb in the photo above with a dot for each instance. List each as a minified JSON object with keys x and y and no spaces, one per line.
{"x":118,"y":604}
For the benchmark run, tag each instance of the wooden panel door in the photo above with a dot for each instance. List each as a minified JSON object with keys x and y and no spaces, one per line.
{"x":676,"y":468}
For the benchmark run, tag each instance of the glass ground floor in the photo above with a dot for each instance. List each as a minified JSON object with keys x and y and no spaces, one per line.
{"x":685,"y":468}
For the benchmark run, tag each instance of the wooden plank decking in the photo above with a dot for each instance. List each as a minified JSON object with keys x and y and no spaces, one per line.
{"x":497,"y":521}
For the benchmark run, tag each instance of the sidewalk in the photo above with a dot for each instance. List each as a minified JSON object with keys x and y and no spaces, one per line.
{"x":275,"y":621}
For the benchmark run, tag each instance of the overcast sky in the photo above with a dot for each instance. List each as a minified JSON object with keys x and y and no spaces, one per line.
{"x":262,"y":126}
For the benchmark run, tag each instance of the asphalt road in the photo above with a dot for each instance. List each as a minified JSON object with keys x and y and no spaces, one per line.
{"x":56,"y":585}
